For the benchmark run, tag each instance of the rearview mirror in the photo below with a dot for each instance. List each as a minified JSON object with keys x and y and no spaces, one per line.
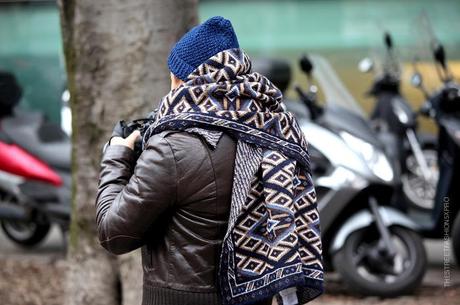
{"x":440,"y":55}
{"x":365,"y":65}
{"x":388,"y":40}
{"x":306,"y":65}
{"x":416,"y":80}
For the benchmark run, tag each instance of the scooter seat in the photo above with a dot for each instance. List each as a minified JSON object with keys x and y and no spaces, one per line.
{"x":23,"y":129}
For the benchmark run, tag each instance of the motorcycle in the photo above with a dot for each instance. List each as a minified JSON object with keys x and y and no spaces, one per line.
{"x":443,"y":106}
{"x":35,"y":175}
{"x":373,"y":246}
{"x":415,"y":152}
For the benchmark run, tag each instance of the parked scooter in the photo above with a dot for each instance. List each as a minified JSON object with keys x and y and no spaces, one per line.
{"x":35,"y":177}
{"x":443,"y":106}
{"x":373,"y":246}
{"x":414,"y":152}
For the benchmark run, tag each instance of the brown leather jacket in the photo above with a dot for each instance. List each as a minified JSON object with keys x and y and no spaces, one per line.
{"x":174,"y":203}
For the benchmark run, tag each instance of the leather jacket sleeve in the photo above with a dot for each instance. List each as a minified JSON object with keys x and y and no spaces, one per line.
{"x":132,"y":196}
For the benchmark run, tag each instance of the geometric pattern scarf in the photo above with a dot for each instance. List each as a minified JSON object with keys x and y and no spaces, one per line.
{"x":273,"y":241}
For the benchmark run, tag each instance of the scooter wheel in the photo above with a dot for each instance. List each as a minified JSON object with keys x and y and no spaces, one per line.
{"x":366,"y":270}
{"x":418,"y":192}
{"x":25,"y":234}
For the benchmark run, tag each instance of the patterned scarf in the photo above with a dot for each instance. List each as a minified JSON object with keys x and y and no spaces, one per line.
{"x":273,"y":239}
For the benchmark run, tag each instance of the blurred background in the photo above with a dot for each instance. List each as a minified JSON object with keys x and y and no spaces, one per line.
{"x":342,"y":31}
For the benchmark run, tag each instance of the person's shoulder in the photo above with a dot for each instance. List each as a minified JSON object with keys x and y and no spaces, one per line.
{"x":174,"y":137}
{"x":180,"y":142}
{"x":186,"y":142}
{"x":156,"y":139}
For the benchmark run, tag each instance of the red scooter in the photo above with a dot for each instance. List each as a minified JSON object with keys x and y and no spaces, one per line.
{"x":35,"y":176}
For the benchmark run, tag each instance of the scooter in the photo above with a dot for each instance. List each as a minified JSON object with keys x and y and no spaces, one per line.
{"x":373,"y":246}
{"x":415,"y":152}
{"x":35,"y":175}
{"x":443,"y":106}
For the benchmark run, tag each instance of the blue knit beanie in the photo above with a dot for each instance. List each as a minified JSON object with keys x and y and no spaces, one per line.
{"x":199,"y":44}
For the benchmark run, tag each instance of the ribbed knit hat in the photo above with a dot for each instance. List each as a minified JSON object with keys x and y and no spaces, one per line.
{"x":199,"y":44}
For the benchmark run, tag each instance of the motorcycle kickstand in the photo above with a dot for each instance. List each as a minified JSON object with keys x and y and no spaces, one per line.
{"x":64,"y":236}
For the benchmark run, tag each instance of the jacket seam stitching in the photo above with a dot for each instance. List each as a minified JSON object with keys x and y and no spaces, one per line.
{"x":175,"y":167}
{"x":119,"y":236}
{"x":158,"y":284}
{"x":171,"y":245}
{"x":214,"y":174}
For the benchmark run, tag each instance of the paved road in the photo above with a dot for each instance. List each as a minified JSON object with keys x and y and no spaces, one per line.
{"x":52,"y":245}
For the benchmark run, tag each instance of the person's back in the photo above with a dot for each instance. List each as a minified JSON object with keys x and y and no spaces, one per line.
{"x":198,"y":221}
{"x":183,"y":190}
{"x":220,"y":200}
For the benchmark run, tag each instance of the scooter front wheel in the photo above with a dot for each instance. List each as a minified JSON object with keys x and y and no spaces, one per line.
{"x":367,"y":268}
{"x":418,"y":191}
{"x":25,"y":234}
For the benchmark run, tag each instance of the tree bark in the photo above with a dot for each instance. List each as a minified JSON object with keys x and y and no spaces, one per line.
{"x":115,"y":54}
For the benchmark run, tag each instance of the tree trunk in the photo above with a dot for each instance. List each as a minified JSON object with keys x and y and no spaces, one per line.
{"x":115,"y":52}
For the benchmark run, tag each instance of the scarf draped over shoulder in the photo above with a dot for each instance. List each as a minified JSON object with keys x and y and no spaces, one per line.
{"x":273,"y":240}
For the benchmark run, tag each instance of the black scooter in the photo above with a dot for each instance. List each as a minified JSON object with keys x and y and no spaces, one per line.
{"x":443,"y":106}
{"x":414,"y":152}
{"x":373,"y":246}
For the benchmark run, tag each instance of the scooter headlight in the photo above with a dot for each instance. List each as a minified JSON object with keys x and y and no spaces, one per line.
{"x":376,"y":161}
